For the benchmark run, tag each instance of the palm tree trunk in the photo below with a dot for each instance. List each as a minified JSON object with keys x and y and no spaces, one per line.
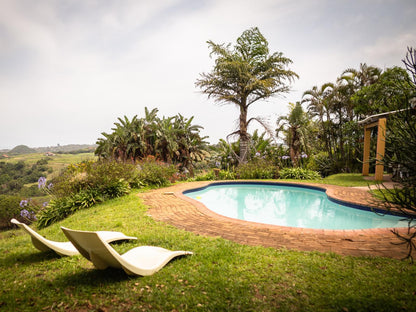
{"x":244,"y":138}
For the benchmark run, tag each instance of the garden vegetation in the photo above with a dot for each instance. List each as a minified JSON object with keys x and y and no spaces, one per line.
{"x":319,"y":140}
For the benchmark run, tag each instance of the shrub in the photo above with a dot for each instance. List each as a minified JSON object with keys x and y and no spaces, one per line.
{"x":85,"y":184}
{"x":206,"y":176}
{"x":155,"y":173}
{"x":9,"y":208}
{"x":60,"y":208}
{"x":226,"y":175}
{"x":298,"y":173}
{"x":323,"y":164}
{"x":210,"y":175}
{"x":259,"y":169}
{"x":101,"y":175}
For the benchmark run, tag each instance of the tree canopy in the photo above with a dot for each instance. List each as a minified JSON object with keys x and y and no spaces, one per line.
{"x":245,"y":74}
{"x":169,"y":139}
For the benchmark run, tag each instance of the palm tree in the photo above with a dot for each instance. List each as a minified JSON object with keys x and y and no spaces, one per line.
{"x":191,"y":145}
{"x":320,"y":105}
{"x":245,"y":75}
{"x":365,"y":76}
{"x":296,"y":128}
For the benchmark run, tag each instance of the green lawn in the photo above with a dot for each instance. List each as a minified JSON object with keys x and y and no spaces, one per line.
{"x":220,"y":276}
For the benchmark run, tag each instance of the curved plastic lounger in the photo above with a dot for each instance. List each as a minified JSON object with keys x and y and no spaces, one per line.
{"x":66,"y":248}
{"x":143,"y":260}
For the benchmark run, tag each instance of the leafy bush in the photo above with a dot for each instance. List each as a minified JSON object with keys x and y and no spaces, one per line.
{"x":87,"y":183}
{"x":210,"y":175}
{"x":259,"y":169}
{"x":323,"y":164}
{"x":206,"y":176}
{"x":60,"y":208}
{"x":105,"y":176}
{"x":9,"y":208}
{"x":155,"y":173}
{"x":226,"y":175}
{"x":298,"y":173}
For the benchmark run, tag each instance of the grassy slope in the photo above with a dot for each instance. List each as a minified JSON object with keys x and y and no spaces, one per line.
{"x":220,"y":276}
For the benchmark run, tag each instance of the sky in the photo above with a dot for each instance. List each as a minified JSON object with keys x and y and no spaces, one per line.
{"x":70,"y":68}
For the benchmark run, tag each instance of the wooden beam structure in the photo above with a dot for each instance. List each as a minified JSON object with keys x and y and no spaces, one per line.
{"x":381,"y":147}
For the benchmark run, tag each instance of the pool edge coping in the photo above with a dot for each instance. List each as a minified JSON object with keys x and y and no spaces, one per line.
{"x":327,"y":188}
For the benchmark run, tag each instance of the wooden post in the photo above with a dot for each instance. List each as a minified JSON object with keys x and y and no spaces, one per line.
{"x":381,"y":146}
{"x":366,"y":154}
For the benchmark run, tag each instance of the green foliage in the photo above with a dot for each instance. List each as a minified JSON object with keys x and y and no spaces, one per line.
{"x":389,"y":93}
{"x":9,"y":208}
{"x":82,"y":185}
{"x":220,"y":276}
{"x":60,"y":208}
{"x":171,"y":140}
{"x":298,"y":174}
{"x":258,"y":169}
{"x":13,"y":176}
{"x":245,"y":74}
{"x":85,"y":184}
{"x":100,"y":175}
{"x":323,"y":164}
{"x":205,"y":176}
{"x":226,"y":175}
{"x":298,"y":132}
{"x":155,"y":173}
{"x":215,"y":175}
{"x":400,"y":155}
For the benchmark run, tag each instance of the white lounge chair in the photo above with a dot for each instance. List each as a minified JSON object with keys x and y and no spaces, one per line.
{"x":143,"y":260}
{"x":65,"y":248}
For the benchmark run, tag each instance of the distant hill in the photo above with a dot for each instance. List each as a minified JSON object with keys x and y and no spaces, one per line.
{"x":21,"y":149}
{"x":71,"y":148}
{"x":67,"y":148}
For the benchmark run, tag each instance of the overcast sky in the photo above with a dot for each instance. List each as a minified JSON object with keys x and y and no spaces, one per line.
{"x":68,"y":69}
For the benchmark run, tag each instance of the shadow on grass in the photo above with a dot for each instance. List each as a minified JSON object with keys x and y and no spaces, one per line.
{"x":31,"y":258}
{"x":93,"y":277}
{"x":352,"y":303}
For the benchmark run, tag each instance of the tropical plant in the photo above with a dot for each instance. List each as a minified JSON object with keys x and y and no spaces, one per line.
{"x":297,"y":130}
{"x":400,"y":155}
{"x":257,"y":169}
{"x":364,"y":76}
{"x":389,"y":93}
{"x":334,"y":108}
{"x":319,"y":107}
{"x":298,"y":174}
{"x":174,"y":140}
{"x":244,"y":75}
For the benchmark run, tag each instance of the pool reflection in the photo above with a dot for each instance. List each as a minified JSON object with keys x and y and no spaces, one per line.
{"x":288,"y":206}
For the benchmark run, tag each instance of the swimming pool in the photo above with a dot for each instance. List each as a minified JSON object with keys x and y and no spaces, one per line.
{"x":288,"y":205}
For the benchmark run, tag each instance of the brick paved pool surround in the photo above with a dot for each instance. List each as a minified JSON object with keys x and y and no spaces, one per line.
{"x":171,"y":206}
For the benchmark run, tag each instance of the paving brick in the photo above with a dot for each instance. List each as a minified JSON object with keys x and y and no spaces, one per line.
{"x":171,"y":206}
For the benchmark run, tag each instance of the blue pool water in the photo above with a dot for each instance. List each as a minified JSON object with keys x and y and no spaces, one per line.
{"x":288,"y":206}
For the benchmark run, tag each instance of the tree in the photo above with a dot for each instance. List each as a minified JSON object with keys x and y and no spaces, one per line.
{"x":244,"y":75}
{"x":172,"y":140}
{"x":319,"y":105}
{"x":400,"y":151}
{"x":296,"y":128}
{"x":365,"y":76}
{"x":389,"y":93}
